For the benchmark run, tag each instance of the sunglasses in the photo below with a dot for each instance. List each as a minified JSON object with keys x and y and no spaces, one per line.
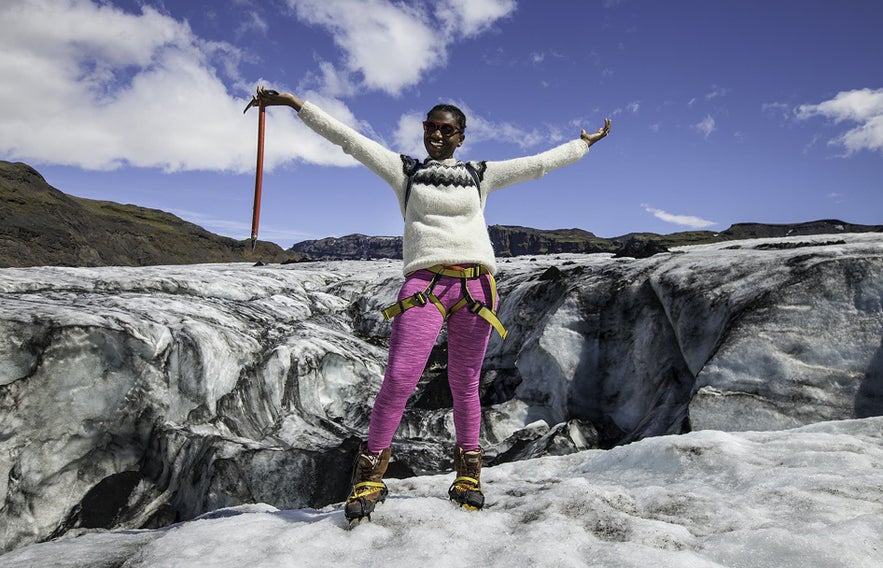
{"x":446,"y":129}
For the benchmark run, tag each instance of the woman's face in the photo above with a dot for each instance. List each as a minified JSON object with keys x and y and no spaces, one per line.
{"x":438,"y":145}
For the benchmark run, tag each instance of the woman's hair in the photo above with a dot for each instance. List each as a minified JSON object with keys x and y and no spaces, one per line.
{"x":458,"y":114}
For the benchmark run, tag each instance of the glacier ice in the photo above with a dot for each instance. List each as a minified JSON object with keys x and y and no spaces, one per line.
{"x":140,"y":397}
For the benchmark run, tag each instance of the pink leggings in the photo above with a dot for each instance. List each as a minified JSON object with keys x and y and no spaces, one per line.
{"x":413,"y":335}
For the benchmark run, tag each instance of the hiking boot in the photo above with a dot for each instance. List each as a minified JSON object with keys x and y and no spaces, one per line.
{"x":368,"y":487}
{"x":466,"y":489}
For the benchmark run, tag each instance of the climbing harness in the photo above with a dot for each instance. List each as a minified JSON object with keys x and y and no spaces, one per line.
{"x":465,"y":274}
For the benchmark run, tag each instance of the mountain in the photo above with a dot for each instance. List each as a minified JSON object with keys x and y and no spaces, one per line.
{"x":41,"y":226}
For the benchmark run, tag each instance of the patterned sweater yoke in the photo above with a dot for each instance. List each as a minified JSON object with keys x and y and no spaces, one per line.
{"x":439,"y":174}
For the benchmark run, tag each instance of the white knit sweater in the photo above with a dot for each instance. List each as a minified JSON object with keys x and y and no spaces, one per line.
{"x":444,"y":220}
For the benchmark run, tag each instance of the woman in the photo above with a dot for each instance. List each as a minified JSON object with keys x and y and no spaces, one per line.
{"x":449,"y":265}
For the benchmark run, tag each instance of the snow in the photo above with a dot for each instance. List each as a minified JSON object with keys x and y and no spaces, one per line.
{"x":803,"y":498}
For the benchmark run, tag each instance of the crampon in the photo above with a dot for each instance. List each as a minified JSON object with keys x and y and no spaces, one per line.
{"x":466,"y":492}
{"x":360,"y":504}
{"x":466,"y":488}
{"x":368,"y":486}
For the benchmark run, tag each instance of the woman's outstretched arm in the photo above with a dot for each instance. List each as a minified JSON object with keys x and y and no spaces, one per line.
{"x":382,"y":161}
{"x":505,"y":173}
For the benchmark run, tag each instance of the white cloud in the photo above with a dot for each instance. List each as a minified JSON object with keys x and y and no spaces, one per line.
{"x":409,"y":134}
{"x":861,"y":106}
{"x":716,"y":91}
{"x":494,"y":56}
{"x":268,"y":232}
{"x":393,"y":44}
{"x":481,"y":129}
{"x":336,"y":82}
{"x":632,"y":107}
{"x":101,"y":87}
{"x":705,"y":126}
{"x":682,"y":220}
{"x":539,"y":57}
{"x":117,"y":88}
{"x":858,"y":106}
{"x":780,"y":110}
{"x":253,"y":22}
{"x":472,"y":17}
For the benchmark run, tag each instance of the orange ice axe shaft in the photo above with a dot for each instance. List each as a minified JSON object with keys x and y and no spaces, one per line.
{"x":259,"y":168}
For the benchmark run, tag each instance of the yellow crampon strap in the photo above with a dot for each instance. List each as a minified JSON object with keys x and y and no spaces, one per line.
{"x":476,"y":486}
{"x":480,"y":309}
{"x":373,"y":487}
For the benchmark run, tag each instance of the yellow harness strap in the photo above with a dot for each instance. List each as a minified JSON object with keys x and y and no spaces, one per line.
{"x":480,"y":309}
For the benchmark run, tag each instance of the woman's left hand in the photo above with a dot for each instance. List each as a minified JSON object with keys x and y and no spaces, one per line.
{"x":592,"y":138}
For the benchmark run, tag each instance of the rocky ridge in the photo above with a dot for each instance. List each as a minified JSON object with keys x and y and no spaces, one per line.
{"x":42,"y":226}
{"x":509,"y":241}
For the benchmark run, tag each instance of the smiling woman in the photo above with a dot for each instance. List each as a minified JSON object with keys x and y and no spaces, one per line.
{"x":444,"y":131}
{"x":449,"y":265}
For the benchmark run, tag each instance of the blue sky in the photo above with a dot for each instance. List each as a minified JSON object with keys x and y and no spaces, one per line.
{"x":723,"y":111}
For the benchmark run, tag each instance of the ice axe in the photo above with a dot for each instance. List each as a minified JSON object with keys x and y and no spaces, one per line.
{"x":259,"y":170}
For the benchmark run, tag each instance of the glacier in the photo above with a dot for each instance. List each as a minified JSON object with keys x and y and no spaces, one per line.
{"x":135,"y":398}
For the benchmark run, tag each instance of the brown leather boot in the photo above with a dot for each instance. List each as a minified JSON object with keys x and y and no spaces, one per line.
{"x":368,"y":487}
{"x":466,"y":489}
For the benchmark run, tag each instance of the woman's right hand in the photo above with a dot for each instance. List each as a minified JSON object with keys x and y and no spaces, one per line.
{"x":268,"y":97}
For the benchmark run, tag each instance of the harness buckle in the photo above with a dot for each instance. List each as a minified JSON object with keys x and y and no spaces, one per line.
{"x":476,"y":307}
{"x":420,"y":298}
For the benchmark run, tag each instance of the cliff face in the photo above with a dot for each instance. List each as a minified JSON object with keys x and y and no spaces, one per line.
{"x":518,"y":241}
{"x":511,"y":241}
{"x":350,"y":247}
{"x":41,"y":226}
{"x":507,"y":241}
{"x":821,"y":227}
